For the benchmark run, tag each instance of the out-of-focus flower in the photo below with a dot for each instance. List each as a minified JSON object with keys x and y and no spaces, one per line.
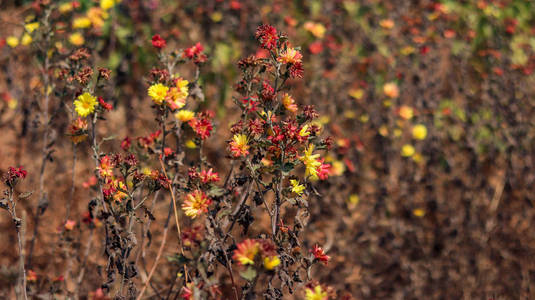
{"x":69,"y":225}
{"x":419,"y":132}
{"x":31,"y":276}
{"x":317,"y":29}
{"x":319,"y":254}
{"x":158,"y":42}
{"x":184,"y":115}
{"x":31,"y":27}
{"x":26,"y":39}
{"x":97,"y":16}
{"x":316,"y":293}
{"x":196,"y":204}
{"x":407,"y":150}
{"x":271,"y":262}
{"x":239,"y":145}
{"x":289,"y":103}
{"x":81,"y":22}
{"x":85,"y":104}
{"x":195,"y":53}
{"x":387,"y":23}
{"x":290,"y":56}
{"x":406,"y":112}
{"x":297,"y":187}
{"x":158,"y":92}
{"x":12,"y":41}
{"x":418,"y":212}
{"x":267,"y":35}
{"x":107,"y":4}
{"x":77,"y":39}
{"x":246,"y":252}
{"x":391,"y":90}
{"x":354,"y":199}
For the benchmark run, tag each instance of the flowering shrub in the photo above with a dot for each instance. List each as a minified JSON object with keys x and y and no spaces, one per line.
{"x":246,"y":149}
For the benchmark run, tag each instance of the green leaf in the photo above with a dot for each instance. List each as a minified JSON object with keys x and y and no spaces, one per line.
{"x":248,"y":274}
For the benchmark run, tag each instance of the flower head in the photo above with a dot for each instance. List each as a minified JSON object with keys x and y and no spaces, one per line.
{"x":202,"y":127}
{"x":319,"y":254}
{"x":31,"y":27}
{"x":77,"y":130}
{"x":158,"y":42}
{"x":176,"y":96}
{"x":196,"y":203}
{"x":158,"y":92}
{"x":391,"y":90}
{"x":407,"y":150}
{"x":81,"y":22}
{"x":76,"y":39}
{"x":311,"y":162}
{"x":85,"y":104}
{"x":267,"y":35}
{"x":406,"y":112}
{"x":317,"y":29}
{"x":296,"y":187}
{"x":184,"y":115}
{"x":246,"y":252}
{"x":289,"y":103}
{"x":209,"y":176}
{"x":290,"y":56}
{"x":271,"y":262}
{"x":12,"y":41}
{"x":419,"y":132}
{"x":239,"y":146}
{"x":316,"y":293}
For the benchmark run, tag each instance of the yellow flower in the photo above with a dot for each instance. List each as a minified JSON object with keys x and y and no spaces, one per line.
{"x":317,"y":29}
{"x":289,"y":103}
{"x":391,"y":90}
{"x":31,"y":27}
{"x":356,"y":93}
{"x":418,"y":212}
{"x":296,"y":187}
{"x":196,"y":203}
{"x":290,"y":56}
{"x":338,"y":168}
{"x":26,"y":39}
{"x":176,"y":96}
{"x":407,"y":150}
{"x":81,"y":22}
{"x":419,"y":132}
{"x":311,"y":162}
{"x":107,"y":4}
{"x":316,"y":294}
{"x":354,"y":199}
{"x":190,"y":144}
{"x":304,"y":131}
{"x":12,"y":103}
{"x":406,"y":112}
{"x":383,"y":130}
{"x":271,"y":262}
{"x":184,"y":115}
{"x":76,"y":39}
{"x":85,"y":104}
{"x":246,"y":252}
{"x":12,"y":41}
{"x":65,"y":7}
{"x":239,"y":146}
{"x":97,"y":16}
{"x":158,"y":92}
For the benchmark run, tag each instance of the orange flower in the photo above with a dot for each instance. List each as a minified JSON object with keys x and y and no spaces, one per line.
{"x":106,"y":167}
{"x":69,"y":225}
{"x":239,"y":146}
{"x":196,"y":203}
{"x":289,"y":103}
{"x":246,"y":252}
{"x":391,"y":90}
{"x":290,"y":56}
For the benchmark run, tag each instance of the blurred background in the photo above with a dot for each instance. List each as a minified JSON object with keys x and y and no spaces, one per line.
{"x":430,"y":105}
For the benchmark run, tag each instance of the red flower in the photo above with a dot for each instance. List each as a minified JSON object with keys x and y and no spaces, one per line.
{"x":13,"y":174}
{"x":320,"y":255}
{"x":267,"y":35}
{"x":209,"y":176}
{"x":125,"y":144}
{"x":158,"y":42}
{"x":296,"y":70}
{"x":105,"y":105}
{"x":201,"y":126}
{"x":195,"y":53}
{"x":250,"y":103}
